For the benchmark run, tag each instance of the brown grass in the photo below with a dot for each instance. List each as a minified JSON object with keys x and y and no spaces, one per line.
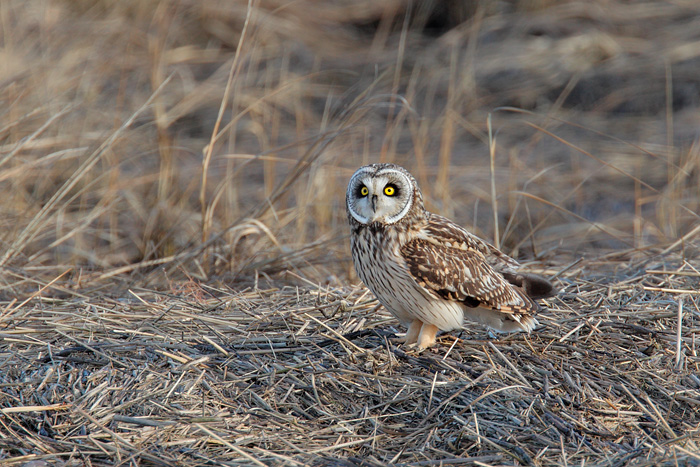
{"x":175,"y":278}
{"x":300,"y":376}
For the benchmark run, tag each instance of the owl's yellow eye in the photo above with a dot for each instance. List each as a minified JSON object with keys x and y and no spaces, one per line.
{"x":389,"y":190}
{"x":364,"y":191}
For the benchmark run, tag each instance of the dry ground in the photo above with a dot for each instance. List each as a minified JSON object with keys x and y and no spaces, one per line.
{"x":306,"y":376}
{"x":175,"y":283}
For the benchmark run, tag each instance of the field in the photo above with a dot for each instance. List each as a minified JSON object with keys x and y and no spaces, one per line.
{"x":176,"y":282}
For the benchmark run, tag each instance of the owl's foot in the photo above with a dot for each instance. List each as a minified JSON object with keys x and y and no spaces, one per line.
{"x":411,"y":336}
{"x":426,"y":337}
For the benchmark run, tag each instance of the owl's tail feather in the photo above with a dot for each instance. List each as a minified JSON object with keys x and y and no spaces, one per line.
{"x":528,"y":323}
{"x":534,"y":286}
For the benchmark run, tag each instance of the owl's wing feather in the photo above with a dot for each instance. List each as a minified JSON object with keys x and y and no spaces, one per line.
{"x":453,"y":264}
{"x":445,"y":231}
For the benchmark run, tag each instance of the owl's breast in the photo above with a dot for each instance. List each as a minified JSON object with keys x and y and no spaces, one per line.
{"x":383,"y":270}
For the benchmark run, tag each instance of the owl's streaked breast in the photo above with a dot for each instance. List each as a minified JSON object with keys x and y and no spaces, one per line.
{"x":378,"y":262}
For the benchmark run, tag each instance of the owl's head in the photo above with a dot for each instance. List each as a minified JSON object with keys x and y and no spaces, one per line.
{"x":382,"y":193}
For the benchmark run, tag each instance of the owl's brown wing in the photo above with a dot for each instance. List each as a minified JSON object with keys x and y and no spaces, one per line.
{"x":451,"y":263}
{"x":447,"y":232}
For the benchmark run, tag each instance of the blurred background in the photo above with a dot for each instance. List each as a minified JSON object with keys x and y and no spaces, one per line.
{"x":152,"y":140}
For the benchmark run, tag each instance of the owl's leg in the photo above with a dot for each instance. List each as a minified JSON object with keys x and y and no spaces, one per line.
{"x":426,"y":338}
{"x":411,"y":336}
{"x":413,"y":331}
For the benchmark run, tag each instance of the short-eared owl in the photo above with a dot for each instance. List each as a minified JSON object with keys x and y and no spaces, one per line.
{"x":426,"y":270}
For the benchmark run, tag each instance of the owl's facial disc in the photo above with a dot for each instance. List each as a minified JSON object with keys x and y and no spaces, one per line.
{"x":383,"y":197}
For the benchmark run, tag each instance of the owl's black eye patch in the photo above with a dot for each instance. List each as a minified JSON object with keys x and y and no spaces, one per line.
{"x":362,"y":191}
{"x":391,"y":190}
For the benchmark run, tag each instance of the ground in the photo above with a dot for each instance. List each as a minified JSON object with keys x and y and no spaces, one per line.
{"x":176,"y":286}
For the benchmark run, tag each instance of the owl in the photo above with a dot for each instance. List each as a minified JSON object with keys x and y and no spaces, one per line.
{"x":429,"y":272}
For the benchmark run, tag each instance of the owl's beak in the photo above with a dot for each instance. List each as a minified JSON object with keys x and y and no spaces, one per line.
{"x":374,"y":203}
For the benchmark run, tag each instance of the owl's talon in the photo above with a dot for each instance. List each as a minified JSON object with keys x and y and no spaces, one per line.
{"x":412,"y":334}
{"x":414,"y":348}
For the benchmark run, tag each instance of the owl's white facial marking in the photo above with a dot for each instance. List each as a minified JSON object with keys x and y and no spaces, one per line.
{"x":381,"y":195}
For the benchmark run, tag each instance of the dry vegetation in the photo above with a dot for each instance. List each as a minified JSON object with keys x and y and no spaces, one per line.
{"x":175,"y":278}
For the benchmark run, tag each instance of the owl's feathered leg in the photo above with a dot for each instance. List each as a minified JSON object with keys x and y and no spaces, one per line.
{"x":411,"y":336}
{"x":426,"y":338}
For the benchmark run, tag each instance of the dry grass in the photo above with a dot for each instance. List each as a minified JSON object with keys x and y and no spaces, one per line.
{"x":301,"y":376}
{"x":152,"y":151}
